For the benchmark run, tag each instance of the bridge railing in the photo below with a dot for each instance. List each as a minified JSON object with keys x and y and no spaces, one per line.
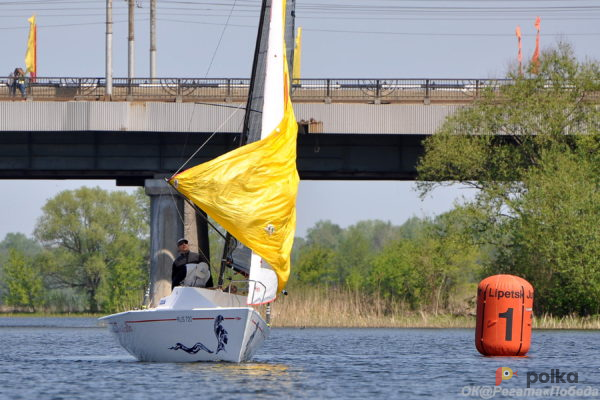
{"x":236,"y":90}
{"x":392,"y":90}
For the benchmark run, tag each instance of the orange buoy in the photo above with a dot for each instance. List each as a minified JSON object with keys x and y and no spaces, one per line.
{"x":504,"y":312}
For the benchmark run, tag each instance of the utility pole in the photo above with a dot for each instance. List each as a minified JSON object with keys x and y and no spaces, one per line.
{"x":153,"y":39}
{"x":108,"y":56}
{"x":131,"y":48}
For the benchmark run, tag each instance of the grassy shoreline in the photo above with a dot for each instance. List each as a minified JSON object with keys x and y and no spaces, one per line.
{"x":420,"y":320}
{"x":338,"y":308}
{"x":323,"y":308}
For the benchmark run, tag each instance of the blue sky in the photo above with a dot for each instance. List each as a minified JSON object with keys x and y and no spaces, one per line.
{"x":343,"y":39}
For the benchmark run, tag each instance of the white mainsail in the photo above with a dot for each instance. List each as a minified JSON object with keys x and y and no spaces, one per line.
{"x":263,"y":280}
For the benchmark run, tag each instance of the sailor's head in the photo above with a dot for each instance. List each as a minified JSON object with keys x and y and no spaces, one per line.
{"x":182,"y":244}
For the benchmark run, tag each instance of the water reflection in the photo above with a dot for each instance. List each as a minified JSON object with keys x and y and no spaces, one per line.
{"x":253,"y":376}
{"x":237,"y":371}
{"x":252,"y":369}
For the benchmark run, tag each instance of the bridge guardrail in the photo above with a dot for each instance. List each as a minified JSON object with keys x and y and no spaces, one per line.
{"x":236,"y":89}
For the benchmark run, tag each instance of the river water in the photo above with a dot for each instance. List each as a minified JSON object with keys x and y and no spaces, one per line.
{"x":73,"y":358}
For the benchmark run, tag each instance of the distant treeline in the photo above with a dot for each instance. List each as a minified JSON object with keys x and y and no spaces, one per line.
{"x":423,"y":264}
{"x":430,"y":265}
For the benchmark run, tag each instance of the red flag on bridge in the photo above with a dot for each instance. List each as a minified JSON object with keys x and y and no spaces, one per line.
{"x":535,"y":60}
{"x":520,"y":53}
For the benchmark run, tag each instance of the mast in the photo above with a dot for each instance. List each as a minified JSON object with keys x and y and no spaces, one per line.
{"x":254,"y":105}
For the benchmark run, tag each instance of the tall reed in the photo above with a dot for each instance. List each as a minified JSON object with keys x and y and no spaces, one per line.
{"x":338,"y":307}
{"x":335,"y":307}
{"x":567,"y":322}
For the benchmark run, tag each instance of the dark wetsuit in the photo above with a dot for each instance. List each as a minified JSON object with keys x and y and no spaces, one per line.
{"x":180,"y":270}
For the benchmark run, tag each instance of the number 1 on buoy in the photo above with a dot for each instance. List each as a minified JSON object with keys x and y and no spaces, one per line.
{"x":509,"y":316}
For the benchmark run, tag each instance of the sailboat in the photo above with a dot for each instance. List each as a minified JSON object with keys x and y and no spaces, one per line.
{"x":251,"y":193}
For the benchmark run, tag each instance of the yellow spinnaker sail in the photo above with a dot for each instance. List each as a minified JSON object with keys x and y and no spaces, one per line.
{"x":251,"y":192}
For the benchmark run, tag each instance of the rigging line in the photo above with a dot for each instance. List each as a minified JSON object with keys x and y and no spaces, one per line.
{"x":205,"y":75}
{"x":172,"y":195}
{"x":69,"y":25}
{"x":205,"y":23}
{"x":220,"y":105}
{"x":187,"y":135}
{"x":471,"y":35}
{"x":207,"y":140}
{"x":200,"y":248}
{"x":365,"y":17}
{"x":196,"y":208}
{"x":182,"y":219}
{"x":192,"y":118}
{"x":220,"y":39}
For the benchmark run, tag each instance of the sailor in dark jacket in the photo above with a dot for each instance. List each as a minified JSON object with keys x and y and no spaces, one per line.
{"x":186,"y":257}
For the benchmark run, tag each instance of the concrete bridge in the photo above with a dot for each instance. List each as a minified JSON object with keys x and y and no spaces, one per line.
{"x":68,"y":128}
{"x":350,"y":129}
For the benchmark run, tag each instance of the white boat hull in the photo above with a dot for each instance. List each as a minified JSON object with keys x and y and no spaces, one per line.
{"x":174,"y":333}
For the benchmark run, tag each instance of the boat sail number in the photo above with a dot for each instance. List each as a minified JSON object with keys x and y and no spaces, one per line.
{"x":185,"y":318}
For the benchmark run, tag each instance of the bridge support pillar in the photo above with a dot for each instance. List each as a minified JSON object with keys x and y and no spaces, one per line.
{"x":171,"y":218}
{"x":195,"y":230}
{"x":166,"y":227}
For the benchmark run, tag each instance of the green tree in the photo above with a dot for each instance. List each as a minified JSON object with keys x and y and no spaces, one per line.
{"x":324,"y":233}
{"x":555,"y":242}
{"x":299,"y":244}
{"x":427,"y":268}
{"x":493,"y":143}
{"x":96,"y":242}
{"x":316,"y":266}
{"x":354,"y":256}
{"x":20,"y":243}
{"x":515,"y":145}
{"x":314,"y":257}
{"x":395,"y":275}
{"x":449,"y":261}
{"x":24,"y":285}
{"x":334,"y":256}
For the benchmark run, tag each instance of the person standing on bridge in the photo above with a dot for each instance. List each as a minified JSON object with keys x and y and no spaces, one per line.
{"x":18,"y":82}
{"x":12,"y":84}
{"x":190,"y":268}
